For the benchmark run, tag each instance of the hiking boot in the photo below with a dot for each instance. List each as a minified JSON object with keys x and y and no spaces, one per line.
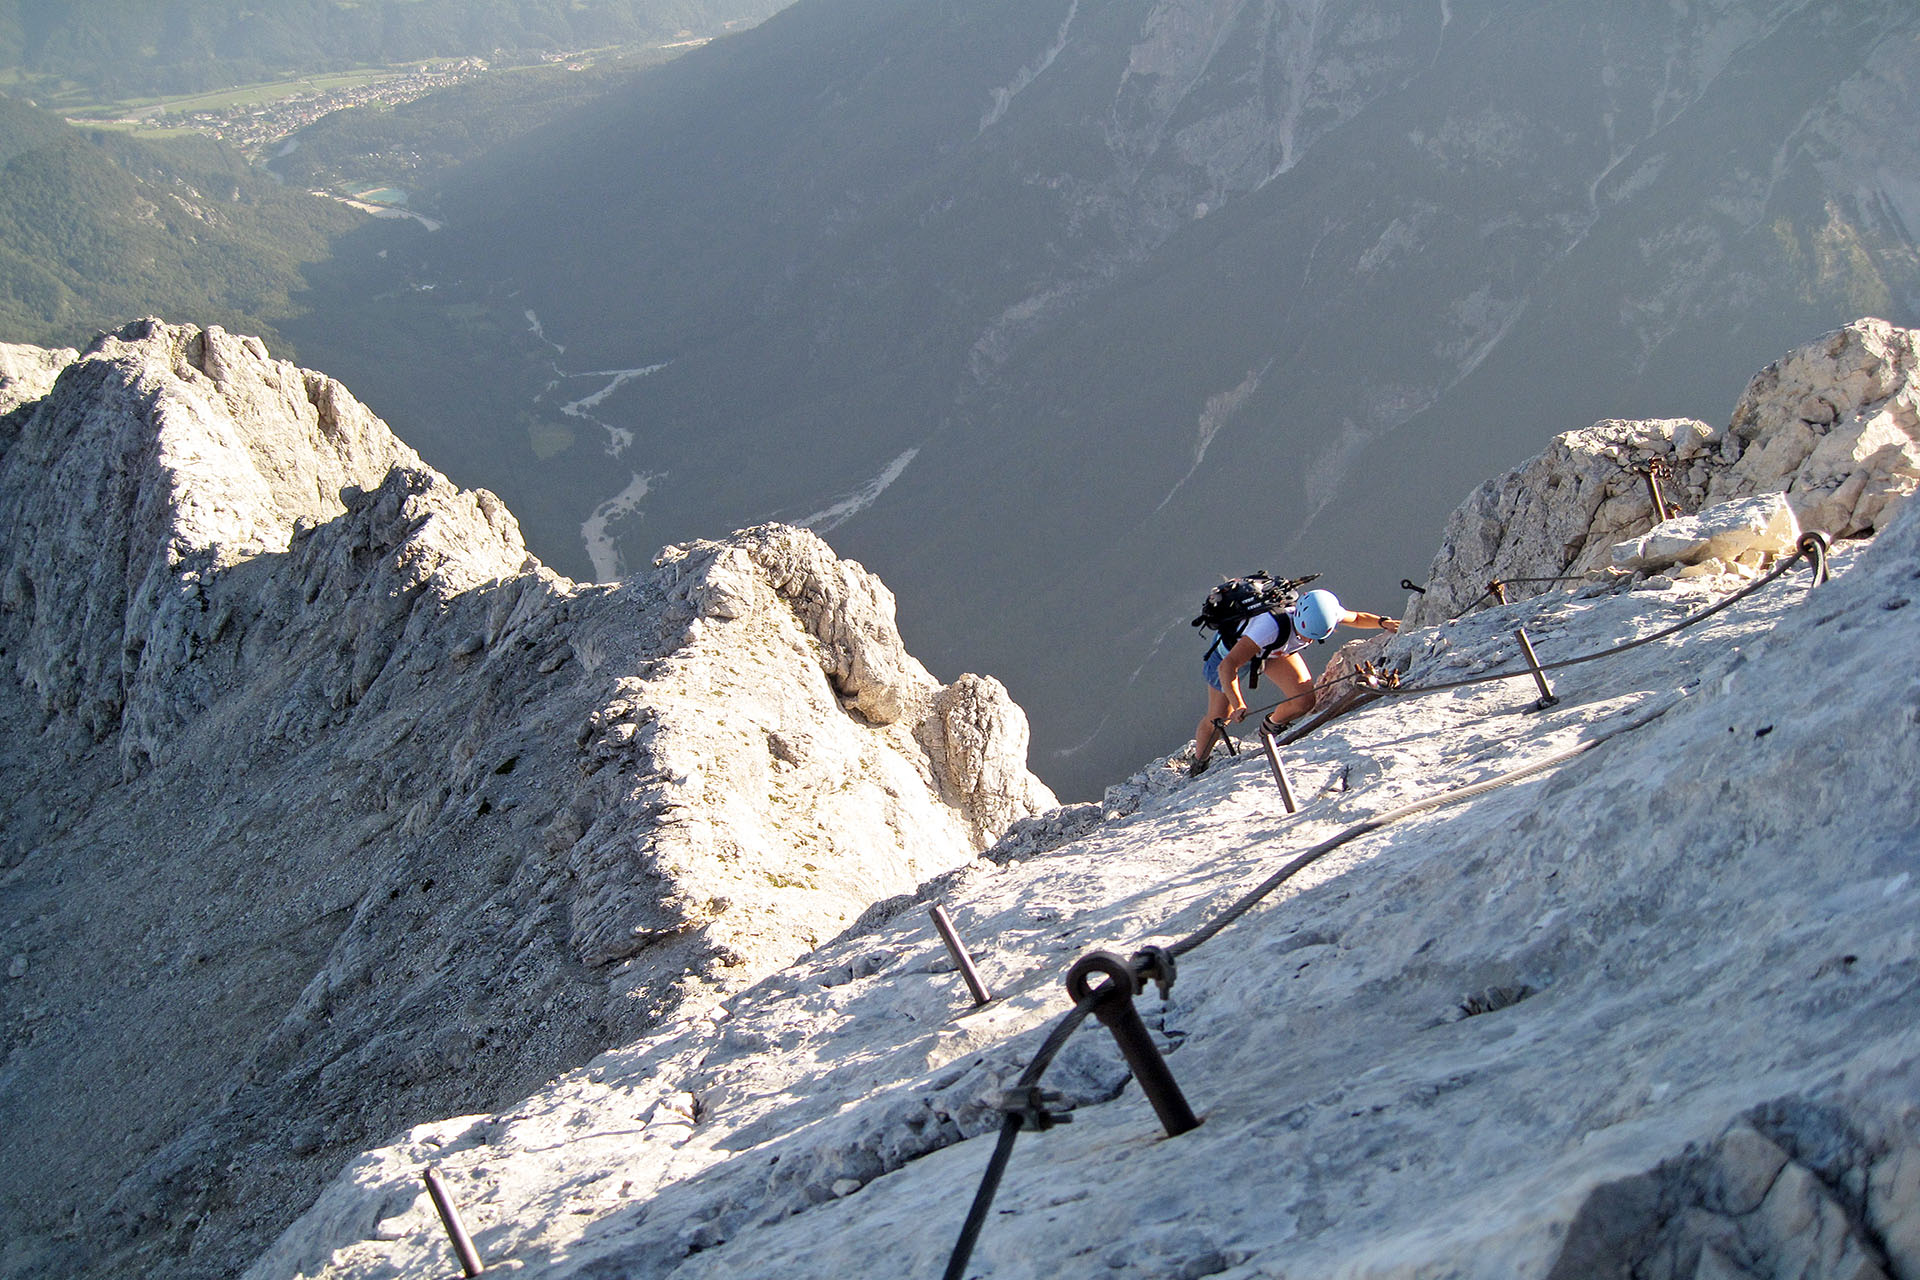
{"x":1198,"y":767}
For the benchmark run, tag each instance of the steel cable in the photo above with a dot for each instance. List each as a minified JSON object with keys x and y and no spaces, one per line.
{"x":1070,"y":1021}
{"x":1689,"y":621}
{"x":1247,"y":902}
{"x":1811,"y":546}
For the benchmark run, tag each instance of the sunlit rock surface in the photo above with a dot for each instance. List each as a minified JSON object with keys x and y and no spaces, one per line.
{"x":1834,"y":425}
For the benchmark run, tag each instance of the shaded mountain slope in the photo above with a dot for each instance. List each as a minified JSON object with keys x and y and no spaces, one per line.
{"x":96,"y":226}
{"x":1127,"y":296}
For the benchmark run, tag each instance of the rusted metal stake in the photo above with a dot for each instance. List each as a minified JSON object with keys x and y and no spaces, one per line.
{"x":958,"y":950}
{"x":1233,"y":748}
{"x":1115,"y":1010}
{"x":1279,"y":771}
{"x":1652,"y":470}
{"x":1499,"y":590}
{"x":1653,"y":492}
{"x":450,"y":1215}
{"x":1547,"y":698}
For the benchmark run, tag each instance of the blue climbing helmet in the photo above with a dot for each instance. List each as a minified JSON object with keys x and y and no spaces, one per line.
{"x":1317,"y":613}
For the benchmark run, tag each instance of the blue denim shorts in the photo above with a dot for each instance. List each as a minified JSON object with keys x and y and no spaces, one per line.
{"x":1210,"y":666}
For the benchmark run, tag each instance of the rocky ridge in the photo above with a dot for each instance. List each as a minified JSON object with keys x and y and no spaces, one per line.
{"x":1649,"y":1012}
{"x":332,"y":809}
{"x":1834,"y":426}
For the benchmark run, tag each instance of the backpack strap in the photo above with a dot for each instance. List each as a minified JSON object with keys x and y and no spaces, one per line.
{"x":1281,"y":616}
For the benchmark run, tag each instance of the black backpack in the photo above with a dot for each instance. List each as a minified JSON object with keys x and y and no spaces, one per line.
{"x":1231,"y":605}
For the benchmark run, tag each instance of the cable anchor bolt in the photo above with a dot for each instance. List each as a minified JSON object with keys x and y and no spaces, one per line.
{"x":1279,"y":770}
{"x":1035,"y":1108}
{"x":1816,"y":546}
{"x":1654,"y":470}
{"x":961,"y":959}
{"x":463,"y":1249}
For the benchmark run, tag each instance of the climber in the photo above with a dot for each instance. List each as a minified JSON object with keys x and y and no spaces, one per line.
{"x":1271,"y":639}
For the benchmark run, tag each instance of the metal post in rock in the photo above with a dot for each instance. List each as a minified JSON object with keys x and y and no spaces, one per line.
{"x":958,"y":950}
{"x":1279,"y":771}
{"x":1116,"y":1012}
{"x":450,"y":1216}
{"x":1547,"y":698}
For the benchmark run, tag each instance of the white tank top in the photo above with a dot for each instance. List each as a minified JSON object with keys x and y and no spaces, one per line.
{"x":1265,"y":629}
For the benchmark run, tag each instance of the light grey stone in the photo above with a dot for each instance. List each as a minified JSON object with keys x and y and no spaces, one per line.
{"x":400,"y":881}
{"x":1762,"y":525}
{"x":1833,"y":425}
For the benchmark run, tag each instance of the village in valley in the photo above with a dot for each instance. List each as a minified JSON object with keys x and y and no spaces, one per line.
{"x":254,"y":120}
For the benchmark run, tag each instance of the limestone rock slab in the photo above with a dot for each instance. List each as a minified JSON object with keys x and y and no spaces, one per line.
{"x":1740,"y":530}
{"x":331,"y":808}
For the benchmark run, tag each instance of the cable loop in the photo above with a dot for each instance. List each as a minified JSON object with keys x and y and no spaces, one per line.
{"x":1816,"y":547}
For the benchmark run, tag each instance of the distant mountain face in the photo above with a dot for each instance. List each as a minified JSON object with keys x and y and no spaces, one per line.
{"x":1051,"y":313}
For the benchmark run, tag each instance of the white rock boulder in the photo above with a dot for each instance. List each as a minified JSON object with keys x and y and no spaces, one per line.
{"x":1835,"y":425}
{"x":1745,"y":531}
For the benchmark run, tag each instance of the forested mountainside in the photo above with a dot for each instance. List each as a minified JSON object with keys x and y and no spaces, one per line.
{"x":96,"y":227}
{"x":151,"y":48}
{"x":1055,"y":312}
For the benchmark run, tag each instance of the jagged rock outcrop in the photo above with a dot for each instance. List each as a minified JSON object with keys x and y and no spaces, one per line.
{"x":331,"y":809}
{"x":27,"y":373}
{"x":1834,"y":425}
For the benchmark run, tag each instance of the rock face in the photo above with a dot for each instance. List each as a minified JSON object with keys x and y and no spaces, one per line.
{"x":331,"y":809}
{"x":1648,"y":1010}
{"x":1745,"y":531}
{"x":1834,"y":425}
{"x":27,"y":373}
